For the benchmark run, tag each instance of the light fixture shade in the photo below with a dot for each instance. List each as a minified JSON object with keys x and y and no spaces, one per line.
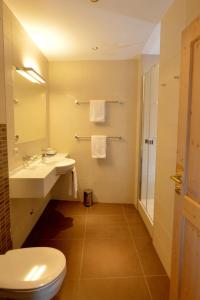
{"x":31,"y":74}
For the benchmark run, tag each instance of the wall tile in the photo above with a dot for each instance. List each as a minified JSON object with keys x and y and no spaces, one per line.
{"x":5,"y":236}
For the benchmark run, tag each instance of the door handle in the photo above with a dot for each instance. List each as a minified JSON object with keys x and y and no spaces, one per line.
{"x":177,"y":178}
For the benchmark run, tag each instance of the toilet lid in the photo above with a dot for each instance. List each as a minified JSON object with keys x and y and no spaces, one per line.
{"x":30,"y":268}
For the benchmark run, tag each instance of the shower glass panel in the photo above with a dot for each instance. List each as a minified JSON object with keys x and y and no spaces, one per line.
{"x":150,"y":100}
{"x":145,"y":146}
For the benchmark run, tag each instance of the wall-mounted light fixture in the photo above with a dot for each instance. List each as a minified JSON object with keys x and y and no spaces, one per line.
{"x":31,"y":74}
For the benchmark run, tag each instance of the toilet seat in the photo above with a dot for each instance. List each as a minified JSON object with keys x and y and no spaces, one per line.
{"x":30,"y":269}
{"x":43,"y":293}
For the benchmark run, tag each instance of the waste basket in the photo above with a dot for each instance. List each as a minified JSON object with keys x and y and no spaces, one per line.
{"x":88,"y":198}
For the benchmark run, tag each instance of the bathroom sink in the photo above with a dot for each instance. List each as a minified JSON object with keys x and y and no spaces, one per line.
{"x":64,"y":166}
{"x":37,"y":179}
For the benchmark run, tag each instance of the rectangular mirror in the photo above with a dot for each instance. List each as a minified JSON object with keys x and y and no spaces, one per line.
{"x":29,"y":109}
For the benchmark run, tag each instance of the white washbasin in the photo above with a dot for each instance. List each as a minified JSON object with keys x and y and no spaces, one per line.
{"x":37,"y":179}
{"x":62,"y":164}
{"x":65,"y":166}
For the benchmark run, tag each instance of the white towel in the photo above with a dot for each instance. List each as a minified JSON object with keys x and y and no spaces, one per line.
{"x":98,"y":146}
{"x":73,"y":186}
{"x":98,"y":111}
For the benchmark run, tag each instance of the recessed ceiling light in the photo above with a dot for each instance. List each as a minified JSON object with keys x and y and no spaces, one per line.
{"x":95,"y":48}
{"x":94,"y":1}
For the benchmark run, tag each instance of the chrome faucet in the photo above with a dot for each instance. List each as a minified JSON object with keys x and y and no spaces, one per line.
{"x":26,"y":159}
{"x":29,"y":158}
{"x":44,"y":154}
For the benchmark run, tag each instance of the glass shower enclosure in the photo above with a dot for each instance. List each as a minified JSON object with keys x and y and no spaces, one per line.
{"x":149,"y":133}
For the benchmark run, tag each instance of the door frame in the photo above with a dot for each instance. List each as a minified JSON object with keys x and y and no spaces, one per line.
{"x":189,"y":36}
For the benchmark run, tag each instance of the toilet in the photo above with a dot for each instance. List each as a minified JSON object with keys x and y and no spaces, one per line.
{"x":31,"y":273}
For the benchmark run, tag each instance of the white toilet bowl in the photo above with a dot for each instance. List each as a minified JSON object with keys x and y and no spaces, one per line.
{"x":31,"y":273}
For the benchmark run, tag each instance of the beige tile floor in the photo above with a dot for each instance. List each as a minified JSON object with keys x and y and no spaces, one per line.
{"x":109,"y":252}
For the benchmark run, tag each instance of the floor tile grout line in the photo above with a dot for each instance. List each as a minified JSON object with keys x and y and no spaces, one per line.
{"x":112,"y":277}
{"x":82,"y":253}
{"x":137,"y":252}
{"x":105,"y":214}
{"x":157,"y":276}
{"x":89,"y":238}
{"x":123,"y":277}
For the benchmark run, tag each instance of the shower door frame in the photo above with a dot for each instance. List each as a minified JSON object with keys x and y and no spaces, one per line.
{"x":142,"y":210}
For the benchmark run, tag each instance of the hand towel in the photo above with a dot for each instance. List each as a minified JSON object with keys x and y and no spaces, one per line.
{"x":98,"y":111}
{"x":98,"y":146}
{"x":74,"y":182}
{"x":73,"y":185}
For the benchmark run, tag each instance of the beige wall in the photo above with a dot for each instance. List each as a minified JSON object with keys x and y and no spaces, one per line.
{"x":112,"y":179}
{"x":19,"y":50}
{"x":175,"y":20}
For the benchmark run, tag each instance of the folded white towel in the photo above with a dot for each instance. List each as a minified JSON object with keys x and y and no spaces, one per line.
{"x":73,"y":186}
{"x":98,"y":111}
{"x":98,"y":146}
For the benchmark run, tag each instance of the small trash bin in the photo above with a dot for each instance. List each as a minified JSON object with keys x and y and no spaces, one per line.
{"x":88,"y":198}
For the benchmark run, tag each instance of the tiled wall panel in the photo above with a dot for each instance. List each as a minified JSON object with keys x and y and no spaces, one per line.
{"x":5,"y":236}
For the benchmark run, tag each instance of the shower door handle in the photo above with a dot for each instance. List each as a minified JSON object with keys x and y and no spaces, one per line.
{"x":149,"y":142}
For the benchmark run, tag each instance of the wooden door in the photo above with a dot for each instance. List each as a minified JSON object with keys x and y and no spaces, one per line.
{"x":185,"y":279}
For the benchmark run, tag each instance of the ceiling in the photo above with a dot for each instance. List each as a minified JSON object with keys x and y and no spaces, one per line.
{"x":69,"y":29}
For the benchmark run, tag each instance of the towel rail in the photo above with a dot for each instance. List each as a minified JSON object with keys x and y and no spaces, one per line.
{"x":86,"y":102}
{"x":77,"y":137}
